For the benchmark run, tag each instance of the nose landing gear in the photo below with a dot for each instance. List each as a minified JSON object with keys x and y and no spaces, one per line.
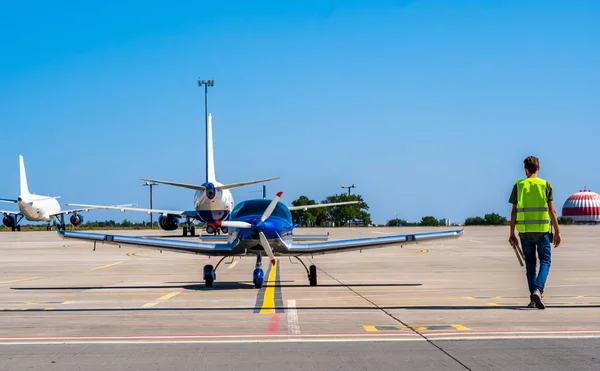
{"x":258,"y":276}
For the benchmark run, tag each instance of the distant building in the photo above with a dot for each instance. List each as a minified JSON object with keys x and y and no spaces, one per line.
{"x":583,"y":207}
{"x":445,"y":222}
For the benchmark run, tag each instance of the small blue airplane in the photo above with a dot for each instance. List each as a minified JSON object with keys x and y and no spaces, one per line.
{"x":262,"y":228}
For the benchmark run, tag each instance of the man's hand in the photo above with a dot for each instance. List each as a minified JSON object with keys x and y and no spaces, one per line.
{"x":557,"y":240}
{"x":513,"y":241}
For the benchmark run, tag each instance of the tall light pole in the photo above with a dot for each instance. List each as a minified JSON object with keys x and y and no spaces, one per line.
{"x":206,"y":84}
{"x":148,"y":184}
{"x":349,"y":187}
{"x":264,"y":191}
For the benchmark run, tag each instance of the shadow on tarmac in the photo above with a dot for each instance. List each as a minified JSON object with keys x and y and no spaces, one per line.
{"x":304,"y":308}
{"x":219,"y":285}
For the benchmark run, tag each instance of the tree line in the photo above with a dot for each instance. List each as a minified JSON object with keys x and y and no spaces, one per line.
{"x":426,"y":221}
{"x":338,"y":216}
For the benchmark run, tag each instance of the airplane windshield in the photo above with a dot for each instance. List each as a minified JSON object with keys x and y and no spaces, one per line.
{"x":258,"y":207}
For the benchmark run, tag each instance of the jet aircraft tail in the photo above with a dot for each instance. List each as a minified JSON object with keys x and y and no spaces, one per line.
{"x":210,"y":154}
{"x":23,"y":178}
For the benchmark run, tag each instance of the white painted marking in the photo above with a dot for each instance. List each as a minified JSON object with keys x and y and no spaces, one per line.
{"x":293,"y":322}
{"x":298,"y":339}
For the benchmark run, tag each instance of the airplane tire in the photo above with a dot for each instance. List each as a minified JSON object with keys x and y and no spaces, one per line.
{"x":208,"y":281}
{"x":258,"y":278}
{"x":192,"y":231}
{"x":18,"y":228}
{"x":185,"y":231}
{"x":312,"y":275}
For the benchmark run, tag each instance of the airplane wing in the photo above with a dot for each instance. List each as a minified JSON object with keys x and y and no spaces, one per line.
{"x":296,"y":237}
{"x":211,"y":249}
{"x":303,"y":207}
{"x":181,"y":213}
{"x":6,"y":212}
{"x":368,"y":243}
{"x":83,"y":209}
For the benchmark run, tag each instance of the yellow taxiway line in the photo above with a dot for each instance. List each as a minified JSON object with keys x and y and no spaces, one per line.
{"x":161,"y":299}
{"x":20,"y":280}
{"x":108,"y":265}
{"x":268,"y":304}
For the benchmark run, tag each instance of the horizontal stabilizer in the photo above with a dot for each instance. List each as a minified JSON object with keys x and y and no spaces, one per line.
{"x":8,"y":200}
{"x":236,"y":185}
{"x":202,"y":188}
{"x":182,"y":185}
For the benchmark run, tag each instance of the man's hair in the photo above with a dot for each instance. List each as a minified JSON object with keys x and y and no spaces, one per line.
{"x":532,"y":164}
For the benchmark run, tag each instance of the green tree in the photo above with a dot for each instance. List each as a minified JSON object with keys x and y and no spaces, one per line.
{"x":477,"y":220}
{"x":303,"y":217}
{"x":341,"y":215}
{"x":565,"y":220}
{"x":393,"y":223}
{"x":494,"y":219}
{"x":429,"y":221}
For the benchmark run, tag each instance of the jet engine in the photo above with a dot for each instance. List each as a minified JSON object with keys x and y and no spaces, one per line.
{"x":9,"y":221}
{"x":169,"y":222}
{"x":76,"y":220}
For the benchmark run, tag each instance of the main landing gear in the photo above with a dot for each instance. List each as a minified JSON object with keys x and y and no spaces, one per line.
{"x":61,"y":225}
{"x":310,"y":271}
{"x":189,"y":227}
{"x":213,"y":229}
{"x":210,"y":272}
{"x":13,"y":222}
{"x":258,"y":276}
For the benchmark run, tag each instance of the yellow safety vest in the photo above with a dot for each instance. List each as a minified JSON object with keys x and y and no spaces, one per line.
{"x":532,"y":206}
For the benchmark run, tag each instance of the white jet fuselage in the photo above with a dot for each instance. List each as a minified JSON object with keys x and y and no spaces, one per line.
{"x":216,"y":208}
{"x":38,"y":208}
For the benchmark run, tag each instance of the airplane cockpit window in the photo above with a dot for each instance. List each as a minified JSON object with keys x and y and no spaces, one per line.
{"x":258,"y":207}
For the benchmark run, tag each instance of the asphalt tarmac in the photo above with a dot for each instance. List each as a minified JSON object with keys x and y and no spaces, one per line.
{"x":456,"y":304}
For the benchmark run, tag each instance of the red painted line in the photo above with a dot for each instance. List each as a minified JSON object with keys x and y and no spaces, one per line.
{"x":274,"y":323}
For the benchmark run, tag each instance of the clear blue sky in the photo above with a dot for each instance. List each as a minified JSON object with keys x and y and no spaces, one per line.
{"x":429,"y":107}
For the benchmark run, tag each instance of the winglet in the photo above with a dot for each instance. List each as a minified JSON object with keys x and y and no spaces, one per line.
{"x":279,"y":194}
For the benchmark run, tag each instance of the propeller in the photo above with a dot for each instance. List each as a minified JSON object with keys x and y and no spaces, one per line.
{"x":258,"y":227}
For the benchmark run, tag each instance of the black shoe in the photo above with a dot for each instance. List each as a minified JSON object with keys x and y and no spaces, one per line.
{"x":537,"y":298}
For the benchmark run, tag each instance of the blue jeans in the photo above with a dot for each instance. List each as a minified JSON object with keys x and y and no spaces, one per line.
{"x":544,"y":248}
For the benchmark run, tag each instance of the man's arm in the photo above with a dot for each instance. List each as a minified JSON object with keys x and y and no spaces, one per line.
{"x":554,"y":219}
{"x":513,"y":222}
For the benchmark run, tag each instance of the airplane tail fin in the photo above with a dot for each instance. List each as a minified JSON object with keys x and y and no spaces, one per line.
{"x":24,"y":187}
{"x":210,"y":156}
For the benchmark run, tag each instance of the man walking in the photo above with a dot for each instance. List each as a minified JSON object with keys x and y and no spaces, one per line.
{"x":533,"y":205}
